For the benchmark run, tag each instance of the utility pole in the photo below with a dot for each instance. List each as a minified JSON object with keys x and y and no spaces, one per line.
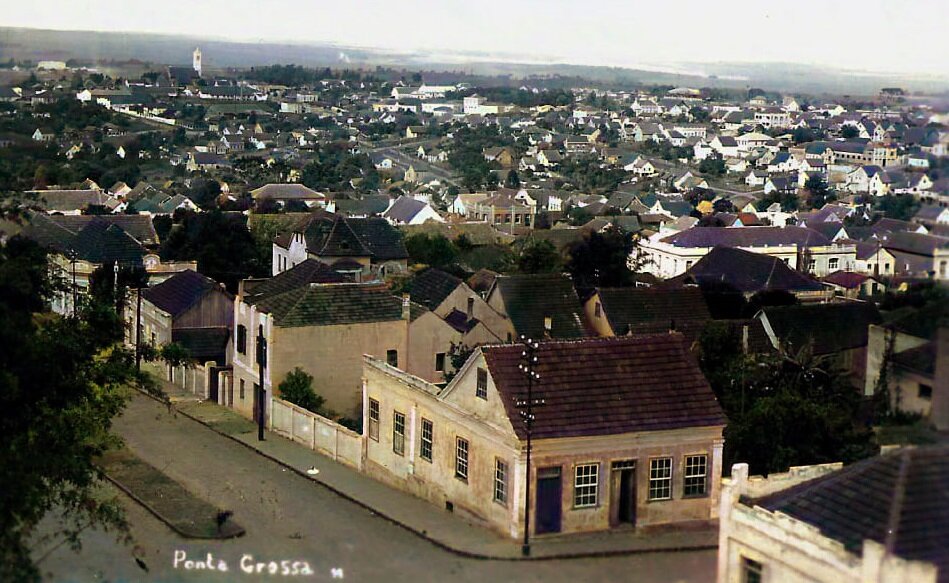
{"x":261,"y":365}
{"x":528,"y":362}
{"x":138,"y":328}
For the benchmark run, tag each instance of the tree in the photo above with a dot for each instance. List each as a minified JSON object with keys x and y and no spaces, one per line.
{"x":62,"y":383}
{"x":849,"y":132}
{"x":713,"y":164}
{"x":817,"y":192}
{"x":433,"y":250}
{"x":223,"y":247}
{"x":602,"y":259}
{"x":783,"y":409}
{"x":539,"y":256}
{"x":297,"y":388}
{"x":512,"y":180}
{"x":458,"y":355}
{"x":175,"y":355}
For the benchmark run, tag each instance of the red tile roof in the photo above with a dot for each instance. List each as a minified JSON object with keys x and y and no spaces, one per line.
{"x":607,"y":386}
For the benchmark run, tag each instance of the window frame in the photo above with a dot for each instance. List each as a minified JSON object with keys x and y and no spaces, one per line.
{"x":590,"y":488}
{"x":686,"y":476}
{"x":501,"y":473}
{"x":242,"y":389}
{"x":392,"y":354}
{"x":430,"y":442}
{"x":752,"y":571}
{"x":481,"y":384}
{"x":241,"y":339}
{"x":462,"y":462}
{"x":374,"y":418}
{"x":398,"y":432}
{"x":440,"y":361}
{"x":653,"y":479}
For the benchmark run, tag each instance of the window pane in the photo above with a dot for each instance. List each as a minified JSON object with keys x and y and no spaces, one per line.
{"x":696,"y":470}
{"x":660,"y":479}
{"x":500,"y":482}
{"x":751,"y":571}
{"x":482,"y":389}
{"x":398,"y":432}
{"x":374,"y":419}
{"x":585,"y":485}
{"x":461,"y":459}
{"x":427,"y":440}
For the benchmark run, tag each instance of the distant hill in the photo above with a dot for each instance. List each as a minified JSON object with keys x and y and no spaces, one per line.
{"x":35,"y":44}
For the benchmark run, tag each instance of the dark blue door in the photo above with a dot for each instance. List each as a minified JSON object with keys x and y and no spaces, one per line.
{"x":549,"y":500}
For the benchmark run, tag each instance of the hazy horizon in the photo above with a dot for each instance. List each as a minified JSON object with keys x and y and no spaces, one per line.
{"x":841,"y":35}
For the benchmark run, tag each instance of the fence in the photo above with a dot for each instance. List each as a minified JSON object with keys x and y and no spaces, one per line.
{"x":316,"y":432}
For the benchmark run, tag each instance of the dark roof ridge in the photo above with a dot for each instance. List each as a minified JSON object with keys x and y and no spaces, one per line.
{"x":587,"y":340}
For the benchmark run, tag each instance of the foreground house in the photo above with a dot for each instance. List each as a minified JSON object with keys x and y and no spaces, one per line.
{"x":311,"y":319}
{"x":187,"y":308}
{"x":881,"y":520}
{"x":630,"y":434}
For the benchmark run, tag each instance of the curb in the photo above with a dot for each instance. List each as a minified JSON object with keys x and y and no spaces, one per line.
{"x":162,"y":518}
{"x":424,"y":534}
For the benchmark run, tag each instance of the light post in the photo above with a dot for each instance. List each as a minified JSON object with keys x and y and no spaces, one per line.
{"x":526,"y":406}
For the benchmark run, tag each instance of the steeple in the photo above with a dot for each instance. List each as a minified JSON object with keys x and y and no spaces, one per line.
{"x":196,"y":61}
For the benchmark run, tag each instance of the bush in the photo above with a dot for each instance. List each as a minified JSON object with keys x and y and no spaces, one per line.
{"x":297,"y":388}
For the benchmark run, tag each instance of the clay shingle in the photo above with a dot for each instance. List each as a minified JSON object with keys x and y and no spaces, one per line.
{"x":608,"y":386}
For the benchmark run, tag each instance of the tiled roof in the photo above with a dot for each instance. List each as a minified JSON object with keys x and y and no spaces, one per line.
{"x":304,"y":273}
{"x":607,"y":386}
{"x":103,"y":242}
{"x":898,"y":500}
{"x":726,"y":268}
{"x":846,"y":279}
{"x":332,"y":304}
{"x":383,"y":240}
{"x":431,"y":287}
{"x":328,"y":234}
{"x":746,"y":237}
{"x":831,"y":327}
{"x":179,"y":292}
{"x":140,"y":227}
{"x":528,"y":299}
{"x":627,"y":307}
{"x":286,"y":192}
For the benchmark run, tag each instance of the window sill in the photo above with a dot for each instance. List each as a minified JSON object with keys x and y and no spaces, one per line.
{"x":461,"y":479}
{"x":653,"y":500}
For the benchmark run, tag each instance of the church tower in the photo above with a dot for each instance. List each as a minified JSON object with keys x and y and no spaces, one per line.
{"x":196,"y":61}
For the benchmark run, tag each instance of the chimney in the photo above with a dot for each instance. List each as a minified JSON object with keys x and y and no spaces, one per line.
{"x":548,"y":325}
{"x":406,"y":307}
{"x":744,"y":339}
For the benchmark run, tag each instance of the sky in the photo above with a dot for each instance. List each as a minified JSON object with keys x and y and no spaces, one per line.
{"x":906,"y":36}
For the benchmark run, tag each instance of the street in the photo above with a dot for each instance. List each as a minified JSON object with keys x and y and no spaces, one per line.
{"x":289,"y":518}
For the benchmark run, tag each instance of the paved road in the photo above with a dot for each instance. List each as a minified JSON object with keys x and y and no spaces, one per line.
{"x":290,"y":517}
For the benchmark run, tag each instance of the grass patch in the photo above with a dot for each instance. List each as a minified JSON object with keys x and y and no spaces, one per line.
{"x":184,"y":512}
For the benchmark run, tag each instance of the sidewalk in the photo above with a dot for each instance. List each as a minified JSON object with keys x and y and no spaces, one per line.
{"x":442,"y":528}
